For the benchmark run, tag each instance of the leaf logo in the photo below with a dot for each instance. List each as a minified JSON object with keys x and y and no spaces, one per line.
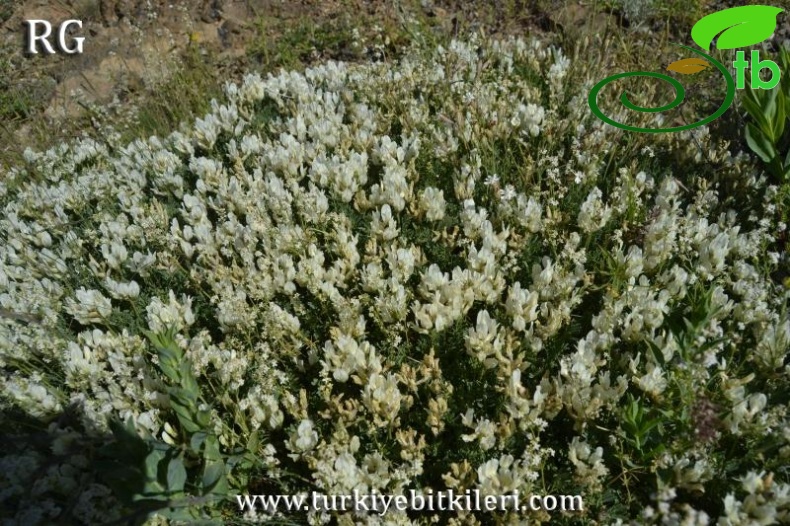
{"x":736,"y":27}
{"x":729,"y":28}
{"x":689,"y":66}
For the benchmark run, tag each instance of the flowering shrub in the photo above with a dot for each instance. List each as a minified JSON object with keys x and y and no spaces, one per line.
{"x":437,"y":274}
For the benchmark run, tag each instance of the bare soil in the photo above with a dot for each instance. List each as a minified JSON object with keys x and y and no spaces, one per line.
{"x":126,"y":46}
{"x":130,"y":46}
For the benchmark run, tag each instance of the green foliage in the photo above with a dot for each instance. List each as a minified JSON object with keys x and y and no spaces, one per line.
{"x":769,"y":111}
{"x":185,"y":94}
{"x":676,"y":14}
{"x":299,"y":44}
{"x":14,"y":104}
{"x":642,"y":428}
{"x":187,"y":476}
{"x":6,"y":9}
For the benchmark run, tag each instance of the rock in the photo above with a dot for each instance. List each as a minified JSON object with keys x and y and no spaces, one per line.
{"x":211,"y":11}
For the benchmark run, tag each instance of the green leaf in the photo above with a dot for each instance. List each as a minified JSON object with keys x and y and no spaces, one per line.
{"x":196,"y":442}
{"x":169,"y":353}
{"x":214,"y":477}
{"x":784,"y":65}
{"x":657,"y":353}
{"x":204,"y":418}
{"x":152,"y":463}
{"x":188,"y":380}
{"x":770,"y":108}
{"x":168,"y":369}
{"x":176,"y":475}
{"x":752,"y":105}
{"x":781,"y":115}
{"x":179,"y":515}
{"x":646,"y":427}
{"x":184,"y":397}
{"x":154,"y":338}
{"x":253,"y":442}
{"x":737,"y":27}
{"x":212,"y":448}
{"x":759,"y":143}
{"x":238,"y":462}
{"x":185,"y":409}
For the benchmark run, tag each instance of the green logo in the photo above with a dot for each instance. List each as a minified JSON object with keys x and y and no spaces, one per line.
{"x":735,"y":27}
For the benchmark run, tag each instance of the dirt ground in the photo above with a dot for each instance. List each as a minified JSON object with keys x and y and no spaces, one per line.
{"x":131,"y":46}
{"x":127,"y":47}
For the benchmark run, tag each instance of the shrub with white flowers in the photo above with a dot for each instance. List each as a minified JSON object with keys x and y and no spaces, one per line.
{"x":437,"y":274}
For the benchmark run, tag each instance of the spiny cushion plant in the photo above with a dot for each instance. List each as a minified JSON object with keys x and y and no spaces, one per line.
{"x":442,"y":273}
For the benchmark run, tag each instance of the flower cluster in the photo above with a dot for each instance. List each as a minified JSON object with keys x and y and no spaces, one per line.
{"x":442,"y":273}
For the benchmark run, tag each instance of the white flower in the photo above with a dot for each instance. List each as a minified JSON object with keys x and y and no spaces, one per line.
{"x":88,"y":306}
{"x":382,"y":398}
{"x":522,"y":305}
{"x":345,"y":356}
{"x":304,"y":438}
{"x":432,"y":203}
{"x":593,"y":214}
{"x":530,"y":117}
{"x":654,"y":382}
{"x":483,"y":340}
{"x":491,"y":180}
{"x":173,"y":314}
{"x":120,"y":290}
{"x":383,"y":223}
{"x":508,"y":193}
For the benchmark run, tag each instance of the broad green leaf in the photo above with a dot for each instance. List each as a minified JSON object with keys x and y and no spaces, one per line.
{"x":781,"y":116}
{"x":185,"y":410}
{"x":168,"y":369}
{"x":253,"y":442}
{"x":196,"y":442}
{"x":648,"y":426}
{"x":153,"y":338}
{"x":188,"y":380}
{"x":179,"y":515}
{"x":176,"y":475}
{"x":183,"y":397}
{"x":657,"y":353}
{"x":737,"y":27}
{"x":784,"y":65}
{"x":152,"y":463}
{"x":759,"y":143}
{"x":214,"y":477}
{"x":769,"y":106}
{"x":752,"y":106}
{"x":203,"y":418}
{"x":212,"y":449}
